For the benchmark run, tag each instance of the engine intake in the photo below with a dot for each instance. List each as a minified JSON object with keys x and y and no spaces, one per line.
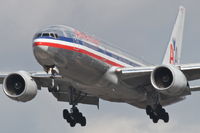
{"x":169,"y":80}
{"x":20,"y":86}
{"x":163,"y":77}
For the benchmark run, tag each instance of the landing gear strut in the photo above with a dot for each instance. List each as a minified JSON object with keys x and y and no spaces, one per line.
{"x":155,"y":110}
{"x":157,"y":113}
{"x":74,"y":116}
{"x":53,"y":71}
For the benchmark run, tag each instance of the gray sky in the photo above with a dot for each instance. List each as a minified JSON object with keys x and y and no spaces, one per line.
{"x":141,"y":27}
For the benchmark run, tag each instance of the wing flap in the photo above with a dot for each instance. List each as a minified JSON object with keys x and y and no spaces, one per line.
{"x":135,"y":72}
{"x":195,"y":88}
{"x":135,"y":76}
{"x":44,"y":80}
{"x":191,"y":71}
{"x":63,"y":96}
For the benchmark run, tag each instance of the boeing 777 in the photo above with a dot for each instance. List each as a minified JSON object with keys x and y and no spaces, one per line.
{"x":78,"y":68}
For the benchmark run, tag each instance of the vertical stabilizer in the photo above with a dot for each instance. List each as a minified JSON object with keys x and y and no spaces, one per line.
{"x":173,"y":52}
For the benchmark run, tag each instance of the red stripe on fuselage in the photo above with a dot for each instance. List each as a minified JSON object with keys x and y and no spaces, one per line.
{"x":55,"y":45}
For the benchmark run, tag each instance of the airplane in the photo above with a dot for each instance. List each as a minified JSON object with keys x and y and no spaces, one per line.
{"x":78,"y":68}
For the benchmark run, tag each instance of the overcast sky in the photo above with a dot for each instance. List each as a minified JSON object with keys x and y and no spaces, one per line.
{"x":142,"y":27}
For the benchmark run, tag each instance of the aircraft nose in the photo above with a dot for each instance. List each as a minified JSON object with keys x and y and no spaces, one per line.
{"x":41,"y":51}
{"x":40,"y":46}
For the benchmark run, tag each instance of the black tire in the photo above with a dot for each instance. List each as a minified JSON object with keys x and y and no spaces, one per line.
{"x":72,"y":123}
{"x":155,"y":119}
{"x":65,"y":114}
{"x":83,"y":121}
{"x":162,"y":111}
{"x":166,"y":118}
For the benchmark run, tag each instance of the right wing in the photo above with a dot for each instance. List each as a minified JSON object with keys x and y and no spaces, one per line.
{"x":44,"y":80}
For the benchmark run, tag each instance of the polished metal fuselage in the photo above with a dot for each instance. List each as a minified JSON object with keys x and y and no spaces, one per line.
{"x":88,"y":75}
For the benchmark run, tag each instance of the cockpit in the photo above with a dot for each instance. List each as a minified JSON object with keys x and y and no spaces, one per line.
{"x":55,"y":32}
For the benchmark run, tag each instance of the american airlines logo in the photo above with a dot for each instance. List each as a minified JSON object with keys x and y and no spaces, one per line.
{"x":172,"y":59}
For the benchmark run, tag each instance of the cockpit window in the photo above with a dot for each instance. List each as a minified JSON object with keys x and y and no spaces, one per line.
{"x":55,"y":32}
{"x":46,"y":34}
{"x":37,"y":35}
{"x":52,"y":35}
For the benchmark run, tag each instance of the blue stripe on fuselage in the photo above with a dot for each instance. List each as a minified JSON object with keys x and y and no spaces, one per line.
{"x":96,"y":48}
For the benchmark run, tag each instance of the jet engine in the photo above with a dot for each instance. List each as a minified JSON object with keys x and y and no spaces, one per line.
{"x":169,"y":80}
{"x":20,"y":86}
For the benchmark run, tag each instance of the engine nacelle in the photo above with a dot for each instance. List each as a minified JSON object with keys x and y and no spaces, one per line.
{"x":169,"y":80}
{"x":20,"y":86}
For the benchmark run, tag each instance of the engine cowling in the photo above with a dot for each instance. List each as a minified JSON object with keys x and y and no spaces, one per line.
{"x":20,"y":86}
{"x":169,"y":80}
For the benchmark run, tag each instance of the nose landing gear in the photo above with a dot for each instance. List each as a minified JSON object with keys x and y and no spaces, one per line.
{"x":53,"y":71}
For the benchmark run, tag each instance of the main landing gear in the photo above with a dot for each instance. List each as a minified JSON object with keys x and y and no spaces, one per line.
{"x":155,"y":110}
{"x":157,"y":113}
{"x":73,"y":116}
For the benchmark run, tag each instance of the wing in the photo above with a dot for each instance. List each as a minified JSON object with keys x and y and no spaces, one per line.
{"x":136,"y":76}
{"x":141,"y":75}
{"x":44,"y":80}
{"x":191,"y":71}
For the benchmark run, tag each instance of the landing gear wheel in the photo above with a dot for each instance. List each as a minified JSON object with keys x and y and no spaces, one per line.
{"x":67,"y":115}
{"x":157,"y":113}
{"x":166,"y":118}
{"x":72,"y":123}
{"x":74,"y":116}
{"x":83,"y":121}
{"x":155,"y":119}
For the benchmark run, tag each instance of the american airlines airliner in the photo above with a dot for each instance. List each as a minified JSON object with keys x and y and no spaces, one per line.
{"x":78,"y":68}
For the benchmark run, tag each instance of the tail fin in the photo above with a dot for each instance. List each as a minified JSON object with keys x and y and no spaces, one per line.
{"x":173,"y":52}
